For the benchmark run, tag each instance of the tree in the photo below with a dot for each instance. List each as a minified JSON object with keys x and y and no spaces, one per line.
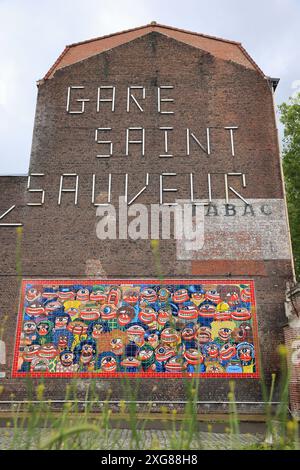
{"x":290,"y":117}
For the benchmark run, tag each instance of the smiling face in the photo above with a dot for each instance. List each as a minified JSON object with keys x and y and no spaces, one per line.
{"x":245,"y":352}
{"x":135,"y":333}
{"x":125,"y":314}
{"x":131,"y":296}
{"x":99,"y":295}
{"x":212,"y":350}
{"x":62,"y":342}
{"x":108,"y":312}
{"x":32,"y":294}
{"x":163,"y":353}
{"x":188,"y":334}
{"x":61,"y":322}
{"x":67,"y":358}
{"x":169,"y":336}
{"x":227,"y":351}
{"x":180,"y":296}
{"x":35,"y":309}
{"x":174,"y":364}
{"x":149,"y":295}
{"x":147,"y":315}
{"x":83,"y":295}
{"x":203,"y":335}
{"x":241,"y":314}
{"x":97,"y":330}
{"x":86,"y":354}
{"x":108,"y":364}
{"x":193,"y":356}
{"x":117,"y":346}
{"x":145,"y":354}
{"x":29,"y":327}
{"x":207,"y":311}
{"x":43,"y":328}
{"x":130,"y":362}
{"x":164,"y":315}
{"x":224,"y":333}
{"x":77,"y":328}
{"x":30,"y":352}
{"x":48,"y":351}
{"x":90,"y":313}
{"x":188,"y":312}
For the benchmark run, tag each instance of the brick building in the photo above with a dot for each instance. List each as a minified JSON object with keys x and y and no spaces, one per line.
{"x":134,"y":114}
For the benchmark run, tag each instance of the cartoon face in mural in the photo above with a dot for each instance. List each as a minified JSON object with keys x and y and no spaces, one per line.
{"x":143,"y":328}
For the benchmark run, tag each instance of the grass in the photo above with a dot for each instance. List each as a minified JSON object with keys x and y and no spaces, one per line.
{"x":90,"y":422}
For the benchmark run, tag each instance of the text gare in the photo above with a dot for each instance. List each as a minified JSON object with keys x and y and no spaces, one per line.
{"x":137,"y":135}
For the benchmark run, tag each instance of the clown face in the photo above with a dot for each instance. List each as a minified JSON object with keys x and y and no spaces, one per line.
{"x":67,"y":358}
{"x":241,"y":314}
{"x":30,"y":352}
{"x":193,"y":356}
{"x":198,"y":297}
{"x":246,"y":295}
{"x":207,"y":310}
{"x":147,"y":315}
{"x":108,"y":364}
{"x":188,"y":334}
{"x":245,"y":352}
{"x":163,"y":353}
{"x":65,"y":293}
{"x":43,"y":328}
{"x":227,"y":352}
{"x":224,"y":334}
{"x":213,"y":296}
{"x":108,"y":312}
{"x":114,"y":296}
{"x":62,"y":342}
{"x":61,"y":322}
{"x":232,"y":299}
{"x":174,"y":364}
{"x":99,"y":295}
{"x":149,"y":295}
{"x":181,"y":296}
{"x":29,"y":327}
{"x":97,"y":330}
{"x":35,"y":309}
{"x":48,"y":351}
{"x":125,"y":314}
{"x":32,"y":294}
{"x":77,"y":328}
{"x":117,"y":346}
{"x":135,"y":333}
{"x":163,"y":294}
{"x":87,"y":353}
{"x":52,"y":306}
{"x":90,"y":312}
{"x":169,"y":336}
{"x":164,"y":315}
{"x":203,"y":335}
{"x":131,"y":296}
{"x":83,"y":295}
{"x":188,"y":312}
{"x":211,"y":350}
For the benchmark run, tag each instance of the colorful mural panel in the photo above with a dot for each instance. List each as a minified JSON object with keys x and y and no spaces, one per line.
{"x":148,"y":328}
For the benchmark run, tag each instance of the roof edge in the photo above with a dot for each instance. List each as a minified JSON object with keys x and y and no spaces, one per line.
{"x":152,"y":25}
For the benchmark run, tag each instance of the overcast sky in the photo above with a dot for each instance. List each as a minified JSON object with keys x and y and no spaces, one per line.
{"x":33,"y":33}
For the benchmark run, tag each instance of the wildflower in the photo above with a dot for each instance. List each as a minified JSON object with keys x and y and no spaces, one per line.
{"x":282,"y":350}
{"x":40,"y":391}
{"x":154,"y":245}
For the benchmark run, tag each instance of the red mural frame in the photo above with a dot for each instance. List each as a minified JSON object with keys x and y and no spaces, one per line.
{"x":144,"y":375}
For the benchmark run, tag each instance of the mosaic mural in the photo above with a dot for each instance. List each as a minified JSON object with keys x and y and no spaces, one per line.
{"x":136,"y":328}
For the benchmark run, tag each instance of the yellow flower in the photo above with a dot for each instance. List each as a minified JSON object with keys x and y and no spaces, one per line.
{"x":154,"y":244}
{"x":282,"y":350}
{"x":40,"y":391}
